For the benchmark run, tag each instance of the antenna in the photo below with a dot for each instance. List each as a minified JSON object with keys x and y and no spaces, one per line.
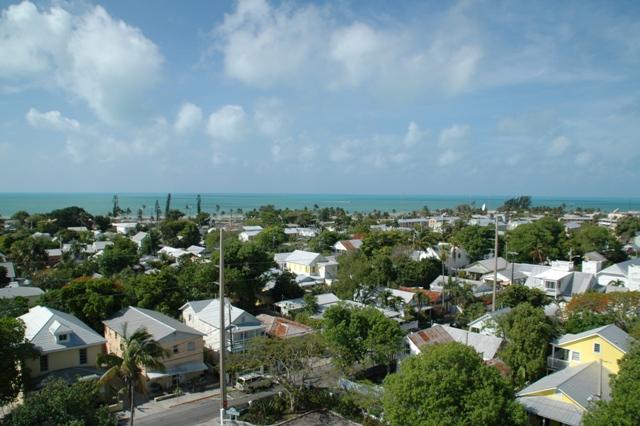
{"x":223,"y":342}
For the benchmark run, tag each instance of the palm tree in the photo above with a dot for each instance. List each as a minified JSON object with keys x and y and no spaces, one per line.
{"x":138,"y":351}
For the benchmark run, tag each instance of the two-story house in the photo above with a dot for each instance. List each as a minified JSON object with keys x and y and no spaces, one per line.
{"x":240,"y":326}
{"x":184,"y":345}
{"x":583,"y":364}
{"x":308,"y":264}
{"x":68,"y":347}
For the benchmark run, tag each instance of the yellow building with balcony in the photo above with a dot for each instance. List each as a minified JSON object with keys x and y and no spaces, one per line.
{"x":583,"y":364}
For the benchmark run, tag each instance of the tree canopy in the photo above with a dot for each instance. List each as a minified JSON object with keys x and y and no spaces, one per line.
{"x":515,"y":294}
{"x":538,"y":241}
{"x":449,"y":384}
{"x":14,"y":349}
{"x":476,"y":240}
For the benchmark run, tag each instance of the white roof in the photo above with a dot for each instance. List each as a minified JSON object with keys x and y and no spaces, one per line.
{"x":40,"y":321}
{"x":327,"y":299}
{"x":485,"y":345}
{"x":552,"y":274}
{"x":252,"y":228}
{"x":208,"y":311}
{"x":302,"y":257}
{"x":406,"y":296}
{"x":196,"y":249}
{"x":139,"y":237}
{"x":159,"y":325}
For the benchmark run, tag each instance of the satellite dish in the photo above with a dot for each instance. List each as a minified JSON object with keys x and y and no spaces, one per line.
{"x":484,"y":208}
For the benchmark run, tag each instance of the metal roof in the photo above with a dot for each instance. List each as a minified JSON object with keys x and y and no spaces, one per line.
{"x":208,"y":311}
{"x":487,"y":346}
{"x":581,"y":383}
{"x":160,"y":326}
{"x":611,"y":333}
{"x":302,"y":257}
{"x":553,"y":409}
{"x":11,"y":292}
{"x":39,"y":331}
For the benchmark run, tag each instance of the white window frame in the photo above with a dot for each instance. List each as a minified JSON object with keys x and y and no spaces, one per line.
{"x":597,"y":348}
{"x":575,"y":356}
{"x":191,"y":346}
{"x":64,"y":337}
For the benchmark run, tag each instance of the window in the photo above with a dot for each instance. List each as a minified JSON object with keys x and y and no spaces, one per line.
{"x":575,"y":356}
{"x":44,"y":363}
{"x":191,"y":346}
{"x":189,"y":318}
{"x":175,"y":349}
{"x":550,"y":285}
{"x":63,"y":338}
{"x":83,"y":356}
{"x":596,"y":348}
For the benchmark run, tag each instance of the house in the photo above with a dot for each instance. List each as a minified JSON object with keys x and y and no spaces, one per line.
{"x":77,"y":228}
{"x":346,"y":246}
{"x":204,"y":316}
{"x":290,"y":306}
{"x":174,"y":253}
{"x":308,"y":263}
{"x":30,"y":293}
{"x":283,"y":328}
{"x":196,"y":250}
{"x":485,"y":345}
{"x":438,"y":223}
{"x":138,"y":238}
{"x":482,"y":267}
{"x":479,"y":288}
{"x":68,"y":347}
{"x":300,"y":232}
{"x":183,"y":344}
{"x":559,"y":281}
{"x":584,"y":363}
{"x":455,"y":257}
{"x":53,"y":256}
{"x":249,"y":233}
{"x":125,"y":227}
{"x":488,"y":323}
{"x":627,"y":272}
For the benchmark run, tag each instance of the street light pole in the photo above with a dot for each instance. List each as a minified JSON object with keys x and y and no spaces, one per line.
{"x":223,"y":341}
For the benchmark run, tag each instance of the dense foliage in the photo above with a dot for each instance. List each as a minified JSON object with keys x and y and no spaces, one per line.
{"x":449,"y":384}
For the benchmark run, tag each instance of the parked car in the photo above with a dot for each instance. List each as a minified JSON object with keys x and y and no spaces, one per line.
{"x":252,"y":382}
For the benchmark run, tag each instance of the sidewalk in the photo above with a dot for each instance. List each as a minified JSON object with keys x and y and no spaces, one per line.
{"x":152,"y":407}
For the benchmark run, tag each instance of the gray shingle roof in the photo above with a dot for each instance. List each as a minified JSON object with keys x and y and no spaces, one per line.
{"x":160,"y":326}
{"x":580,"y":383}
{"x":611,"y":333}
{"x":40,"y":321}
{"x":11,"y":292}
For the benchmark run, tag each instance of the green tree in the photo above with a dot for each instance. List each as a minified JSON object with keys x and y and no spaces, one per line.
{"x":357,"y":335}
{"x":311,"y":303}
{"x":90,"y":300}
{"x":285,"y":287}
{"x":71,"y":216}
{"x":624,"y":407}
{"x":517,"y":204}
{"x":121,"y":254}
{"x":150,"y":243}
{"x":21,"y":216}
{"x":198,"y":204}
{"x":29,"y":254}
{"x":14,"y":307}
{"x":270,"y":238}
{"x":415,"y":274}
{"x":590,"y":237}
{"x":4,"y":276}
{"x":167,"y":206}
{"x":173,"y":215}
{"x":627,"y":227}
{"x":102,"y":223}
{"x":159,"y":292}
{"x":59,"y":403}
{"x":516,"y":294}
{"x":138,"y":351}
{"x":538,"y":241}
{"x":14,"y":349}
{"x":190,"y":234}
{"x":528,"y":332}
{"x":291,"y":361}
{"x":449,"y":385}
{"x":377,"y":241}
{"x":324,"y":241}
{"x":476,"y":240}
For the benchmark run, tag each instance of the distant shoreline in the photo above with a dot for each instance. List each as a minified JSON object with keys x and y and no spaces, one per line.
{"x":101,"y":203}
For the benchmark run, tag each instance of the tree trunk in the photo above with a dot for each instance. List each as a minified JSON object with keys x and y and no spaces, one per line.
{"x":131,"y":403}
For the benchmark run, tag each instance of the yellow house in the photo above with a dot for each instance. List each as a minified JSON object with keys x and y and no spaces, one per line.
{"x":184,"y":345}
{"x":68,"y":347}
{"x":584,"y":361}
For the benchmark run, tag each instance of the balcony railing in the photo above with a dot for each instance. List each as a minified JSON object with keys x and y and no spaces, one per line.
{"x":557,"y":363}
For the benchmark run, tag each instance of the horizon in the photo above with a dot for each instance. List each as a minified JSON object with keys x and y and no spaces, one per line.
{"x":277,"y":97}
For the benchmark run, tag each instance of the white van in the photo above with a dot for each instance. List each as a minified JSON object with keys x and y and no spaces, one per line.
{"x":252,"y":382}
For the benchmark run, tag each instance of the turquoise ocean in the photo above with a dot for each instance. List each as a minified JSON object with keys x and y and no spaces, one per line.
{"x":101,"y":203}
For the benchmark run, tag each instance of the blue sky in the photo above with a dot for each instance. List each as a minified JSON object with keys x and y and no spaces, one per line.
{"x":467,"y":97}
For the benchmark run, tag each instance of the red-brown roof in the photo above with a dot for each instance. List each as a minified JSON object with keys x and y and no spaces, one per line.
{"x":283,"y":328}
{"x":434,"y":296}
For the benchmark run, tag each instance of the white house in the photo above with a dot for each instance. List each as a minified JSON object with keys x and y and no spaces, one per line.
{"x":306,"y":263}
{"x":249,"y":233}
{"x":488,"y":323}
{"x":30,"y":293}
{"x":125,"y":227}
{"x":346,"y":246}
{"x":138,"y":238}
{"x":485,"y":345}
{"x":559,"y":281}
{"x":456,"y":257}
{"x":204,"y":316}
{"x":628,"y":272}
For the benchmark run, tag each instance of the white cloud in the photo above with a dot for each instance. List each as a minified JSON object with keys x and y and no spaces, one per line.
{"x":228,"y":124}
{"x":559,"y":145}
{"x":92,"y":56}
{"x":453,"y":143}
{"x":51,"y":120}
{"x":269,"y":117}
{"x":583,"y":158}
{"x":188,"y":119}
{"x":414,"y":134}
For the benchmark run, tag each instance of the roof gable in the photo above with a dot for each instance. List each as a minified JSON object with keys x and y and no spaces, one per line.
{"x":159,"y":325}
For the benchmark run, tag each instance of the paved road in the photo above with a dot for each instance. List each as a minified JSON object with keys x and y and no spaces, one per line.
{"x":196,"y":413}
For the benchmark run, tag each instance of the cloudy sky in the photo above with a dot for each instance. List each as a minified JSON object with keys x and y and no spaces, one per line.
{"x":467,"y":97}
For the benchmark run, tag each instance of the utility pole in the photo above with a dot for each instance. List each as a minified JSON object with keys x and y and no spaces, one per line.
{"x":495,"y":268}
{"x":223,"y":341}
